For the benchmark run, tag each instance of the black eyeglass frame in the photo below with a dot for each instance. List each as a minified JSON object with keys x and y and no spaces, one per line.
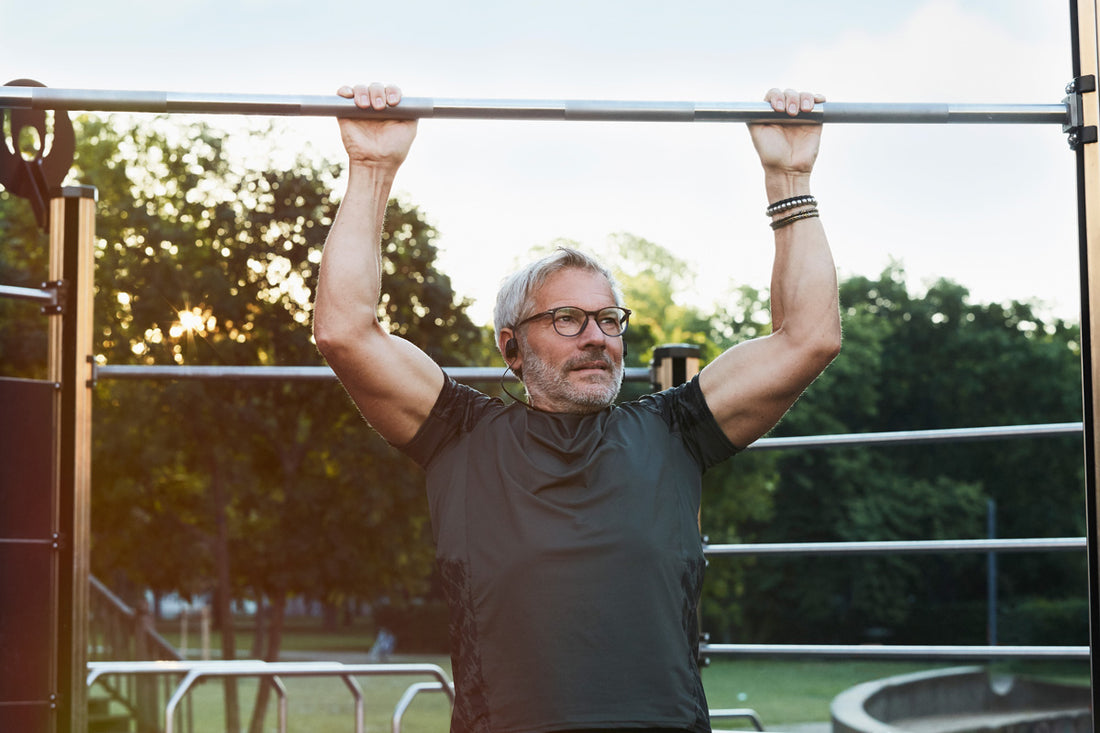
{"x":623,"y":322}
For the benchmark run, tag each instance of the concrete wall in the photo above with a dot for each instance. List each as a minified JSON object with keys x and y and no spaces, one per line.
{"x":961,"y":699}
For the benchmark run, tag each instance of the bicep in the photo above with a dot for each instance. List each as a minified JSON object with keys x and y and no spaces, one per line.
{"x":752,"y":385}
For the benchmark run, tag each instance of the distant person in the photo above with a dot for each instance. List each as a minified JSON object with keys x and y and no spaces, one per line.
{"x":566,"y":528}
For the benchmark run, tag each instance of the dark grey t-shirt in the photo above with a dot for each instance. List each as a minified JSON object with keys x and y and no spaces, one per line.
{"x":569,"y":549}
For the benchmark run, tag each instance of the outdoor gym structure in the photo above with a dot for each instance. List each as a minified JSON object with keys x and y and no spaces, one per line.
{"x":45,"y":480}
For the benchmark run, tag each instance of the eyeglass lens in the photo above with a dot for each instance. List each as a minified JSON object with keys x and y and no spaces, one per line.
{"x":571,"y":321}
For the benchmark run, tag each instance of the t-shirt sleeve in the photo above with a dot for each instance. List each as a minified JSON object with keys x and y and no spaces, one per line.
{"x":456,"y":409}
{"x":686,"y":411}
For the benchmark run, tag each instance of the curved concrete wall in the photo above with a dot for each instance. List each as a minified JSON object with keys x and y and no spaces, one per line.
{"x":960,"y":699}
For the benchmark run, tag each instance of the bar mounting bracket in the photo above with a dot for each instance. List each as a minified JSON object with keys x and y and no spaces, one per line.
{"x":1077,"y":132}
{"x":58,"y":291}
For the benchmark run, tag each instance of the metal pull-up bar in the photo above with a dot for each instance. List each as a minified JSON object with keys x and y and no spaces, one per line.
{"x":45,"y":98}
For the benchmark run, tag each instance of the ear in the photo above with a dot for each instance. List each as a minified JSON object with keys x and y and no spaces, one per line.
{"x":508,"y":345}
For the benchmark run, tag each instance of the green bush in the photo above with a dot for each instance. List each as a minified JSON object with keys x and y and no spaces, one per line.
{"x":1044,"y":621}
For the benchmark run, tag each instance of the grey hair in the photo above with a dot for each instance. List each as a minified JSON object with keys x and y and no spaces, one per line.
{"x":518,"y":289}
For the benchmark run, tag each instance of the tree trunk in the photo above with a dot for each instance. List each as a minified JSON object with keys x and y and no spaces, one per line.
{"x":258,"y":634}
{"x":330,"y":616}
{"x":274,"y":642}
{"x":223,"y":593}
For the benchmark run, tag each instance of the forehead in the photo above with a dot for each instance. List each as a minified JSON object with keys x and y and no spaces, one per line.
{"x":572,"y":286}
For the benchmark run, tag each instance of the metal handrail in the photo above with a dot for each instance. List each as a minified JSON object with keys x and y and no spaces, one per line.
{"x":738,"y":713}
{"x":407,"y":697}
{"x":194,"y":671}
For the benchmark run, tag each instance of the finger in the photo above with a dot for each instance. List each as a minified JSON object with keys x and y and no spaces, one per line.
{"x":806,"y":101}
{"x":346,"y":92}
{"x":792,"y":101}
{"x":774,"y":97}
{"x":362,"y":95}
{"x":377,"y":95}
{"x":393,"y":94}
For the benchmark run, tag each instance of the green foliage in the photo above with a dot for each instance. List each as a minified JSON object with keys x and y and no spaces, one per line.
{"x":910,"y":363}
{"x":24,"y":262}
{"x":205,"y":258}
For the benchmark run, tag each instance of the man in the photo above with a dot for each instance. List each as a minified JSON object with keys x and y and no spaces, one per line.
{"x":565,"y":528}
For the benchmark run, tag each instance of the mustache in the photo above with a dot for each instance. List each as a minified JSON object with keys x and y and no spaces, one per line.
{"x":596,"y":359}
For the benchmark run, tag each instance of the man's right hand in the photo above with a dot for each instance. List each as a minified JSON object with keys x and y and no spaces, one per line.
{"x":376,"y":143}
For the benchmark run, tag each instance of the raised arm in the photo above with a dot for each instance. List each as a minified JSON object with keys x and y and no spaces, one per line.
{"x":393,"y":383}
{"x":751,"y":386}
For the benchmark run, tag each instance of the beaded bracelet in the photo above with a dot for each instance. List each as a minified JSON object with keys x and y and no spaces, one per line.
{"x":808,"y":214}
{"x":787,"y":204}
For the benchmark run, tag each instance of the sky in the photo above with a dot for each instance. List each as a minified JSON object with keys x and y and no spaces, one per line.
{"x":992,"y":207}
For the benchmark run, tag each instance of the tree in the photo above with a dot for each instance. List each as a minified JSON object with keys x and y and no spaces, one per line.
{"x":257,"y":488}
{"x":908,"y":362}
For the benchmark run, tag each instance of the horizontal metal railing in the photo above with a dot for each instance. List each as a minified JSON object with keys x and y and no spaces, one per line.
{"x":900,"y":547}
{"x":45,"y":296}
{"x":911,"y":437}
{"x":901,"y":651}
{"x":301,"y":373}
{"x":162,"y":102}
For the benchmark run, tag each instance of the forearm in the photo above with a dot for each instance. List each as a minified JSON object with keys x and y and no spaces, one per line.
{"x":349,"y":284}
{"x":804,"y":300}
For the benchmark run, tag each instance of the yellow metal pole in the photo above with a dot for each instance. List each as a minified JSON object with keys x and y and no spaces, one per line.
{"x":1086,"y":63}
{"x":72,"y":235}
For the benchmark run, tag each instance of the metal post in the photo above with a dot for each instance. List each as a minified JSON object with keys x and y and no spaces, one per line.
{"x":991,"y":574}
{"x":1083,"y":24}
{"x":72,"y":233}
{"x":673,"y":365}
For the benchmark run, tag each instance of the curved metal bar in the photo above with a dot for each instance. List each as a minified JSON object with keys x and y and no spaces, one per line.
{"x":357,"y":693}
{"x":407,"y":697}
{"x":184,"y":686}
{"x":44,"y":98}
{"x":898,"y":651}
{"x":742,"y":713}
{"x":433,"y":670}
{"x":99,"y":669}
{"x":900,"y":547}
{"x":280,"y":690}
{"x":272,"y":670}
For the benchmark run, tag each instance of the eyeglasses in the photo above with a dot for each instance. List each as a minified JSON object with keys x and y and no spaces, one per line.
{"x":569,"y":320}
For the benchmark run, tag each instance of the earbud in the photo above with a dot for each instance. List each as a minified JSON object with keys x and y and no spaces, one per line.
{"x":511,"y":351}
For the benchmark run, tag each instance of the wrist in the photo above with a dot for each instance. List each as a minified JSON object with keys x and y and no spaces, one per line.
{"x":785,"y":184}
{"x":372,"y":174}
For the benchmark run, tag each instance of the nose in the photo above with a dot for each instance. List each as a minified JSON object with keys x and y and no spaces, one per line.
{"x":591,"y":334}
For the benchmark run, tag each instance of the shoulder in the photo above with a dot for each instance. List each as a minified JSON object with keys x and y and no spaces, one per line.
{"x":684,"y":410}
{"x":457,"y":409}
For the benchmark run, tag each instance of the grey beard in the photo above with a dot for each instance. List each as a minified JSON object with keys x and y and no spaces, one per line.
{"x":554,"y":385}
